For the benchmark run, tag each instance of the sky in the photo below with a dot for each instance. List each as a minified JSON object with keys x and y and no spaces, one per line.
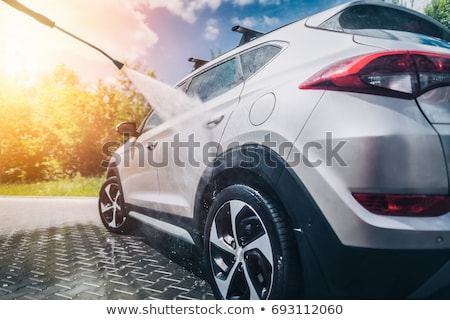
{"x":153,"y":35}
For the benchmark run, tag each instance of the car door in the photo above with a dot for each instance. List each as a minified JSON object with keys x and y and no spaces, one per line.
{"x":139,"y":176}
{"x":191,"y":141}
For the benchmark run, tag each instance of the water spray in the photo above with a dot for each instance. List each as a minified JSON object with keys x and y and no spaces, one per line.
{"x":155,"y":92}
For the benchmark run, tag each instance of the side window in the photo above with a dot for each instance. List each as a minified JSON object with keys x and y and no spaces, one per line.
{"x":151,"y":122}
{"x":215,"y":81}
{"x":255,"y":59}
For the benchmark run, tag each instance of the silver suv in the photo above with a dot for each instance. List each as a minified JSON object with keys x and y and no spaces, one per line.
{"x":316,"y":164}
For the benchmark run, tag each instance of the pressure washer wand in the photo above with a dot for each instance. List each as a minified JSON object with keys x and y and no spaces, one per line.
{"x":46,"y":21}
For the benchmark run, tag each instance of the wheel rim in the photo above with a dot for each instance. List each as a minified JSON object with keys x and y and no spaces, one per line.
{"x":111,"y":206}
{"x":240,"y":252}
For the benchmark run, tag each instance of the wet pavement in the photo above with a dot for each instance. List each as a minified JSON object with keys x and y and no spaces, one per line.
{"x":57,"y":248}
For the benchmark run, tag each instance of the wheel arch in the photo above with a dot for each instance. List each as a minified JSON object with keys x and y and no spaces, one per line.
{"x":264,"y":170}
{"x":252,"y":165}
{"x":261,"y":168}
{"x":111,"y":171}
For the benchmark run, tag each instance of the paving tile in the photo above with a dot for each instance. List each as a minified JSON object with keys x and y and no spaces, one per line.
{"x":85,"y":262}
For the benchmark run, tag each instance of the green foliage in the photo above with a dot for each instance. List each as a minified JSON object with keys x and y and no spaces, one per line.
{"x":75,"y":187}
{"x":56,"y":127}
{"x":439,"y":10}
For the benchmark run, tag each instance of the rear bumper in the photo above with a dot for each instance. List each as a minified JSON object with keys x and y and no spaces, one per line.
{"x":334,"y":270}
{"x":436,"y":287}
{"x":342,"y":272}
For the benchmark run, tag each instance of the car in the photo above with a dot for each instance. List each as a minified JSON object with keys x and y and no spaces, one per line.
{"x":315,"y":164}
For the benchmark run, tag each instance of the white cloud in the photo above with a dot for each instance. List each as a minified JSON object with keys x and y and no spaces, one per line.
{"x":212,"y":29}
{"x":242,"y":3}
{"x":271,"y":21}
{"x":248,"y":22}
{"x":185,"y":9}
{"x":264,"y":22}
{"x":269,"y":2}
{"x":420,"y":5}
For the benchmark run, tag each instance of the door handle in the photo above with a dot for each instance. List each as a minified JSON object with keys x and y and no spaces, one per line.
{"x":151,"y":145}
{"x":214,"y":122}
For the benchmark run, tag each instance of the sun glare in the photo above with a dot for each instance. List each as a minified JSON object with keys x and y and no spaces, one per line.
{"x":19,"y":56}
{"x":14,"y":58}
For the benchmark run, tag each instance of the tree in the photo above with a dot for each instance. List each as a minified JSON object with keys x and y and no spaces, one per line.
{"x":57,"y":127}
{"x":439,"y":10}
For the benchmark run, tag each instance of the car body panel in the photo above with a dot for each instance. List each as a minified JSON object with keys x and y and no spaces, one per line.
{"x":379,"y":158}
{"x":177,"y":182}
{"x":138,"y":177}
{"x":311,"y":150}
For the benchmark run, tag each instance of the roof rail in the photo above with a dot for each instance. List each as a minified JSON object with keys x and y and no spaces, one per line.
{"x":247,"y":34}
{"x":197,"y":62}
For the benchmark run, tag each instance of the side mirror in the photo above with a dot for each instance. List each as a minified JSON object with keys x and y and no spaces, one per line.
{"x":127,"y":129}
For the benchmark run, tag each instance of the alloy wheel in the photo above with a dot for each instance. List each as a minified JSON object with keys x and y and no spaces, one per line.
{"x":240,"y":252}
{"x":111,"y":206}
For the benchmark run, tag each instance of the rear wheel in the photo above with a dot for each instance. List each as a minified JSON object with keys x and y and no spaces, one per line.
{"x":111,"y":206}
{"x":249,"y":249}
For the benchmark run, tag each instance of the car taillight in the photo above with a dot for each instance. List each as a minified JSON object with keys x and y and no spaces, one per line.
{"x":404,"y":205}
{"x":402,"y":74}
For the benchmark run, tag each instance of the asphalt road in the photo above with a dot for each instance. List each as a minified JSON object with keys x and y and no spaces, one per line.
{"x":57,"y":248}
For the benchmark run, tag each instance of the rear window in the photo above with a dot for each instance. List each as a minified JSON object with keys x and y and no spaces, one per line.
{"x":362,"y":17}
{"x":252,"y":61}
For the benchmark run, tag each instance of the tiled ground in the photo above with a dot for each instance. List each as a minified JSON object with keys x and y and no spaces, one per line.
{"x":76,"y":258}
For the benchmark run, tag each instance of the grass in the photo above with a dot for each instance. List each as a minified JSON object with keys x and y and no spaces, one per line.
{"x":76,"y":187}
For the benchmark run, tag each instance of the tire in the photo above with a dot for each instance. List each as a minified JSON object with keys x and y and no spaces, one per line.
{"x":249,"y":248}
{"x":111,"y":207}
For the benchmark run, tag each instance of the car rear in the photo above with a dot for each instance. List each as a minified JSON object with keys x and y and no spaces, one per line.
{"x":379,"y":172}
